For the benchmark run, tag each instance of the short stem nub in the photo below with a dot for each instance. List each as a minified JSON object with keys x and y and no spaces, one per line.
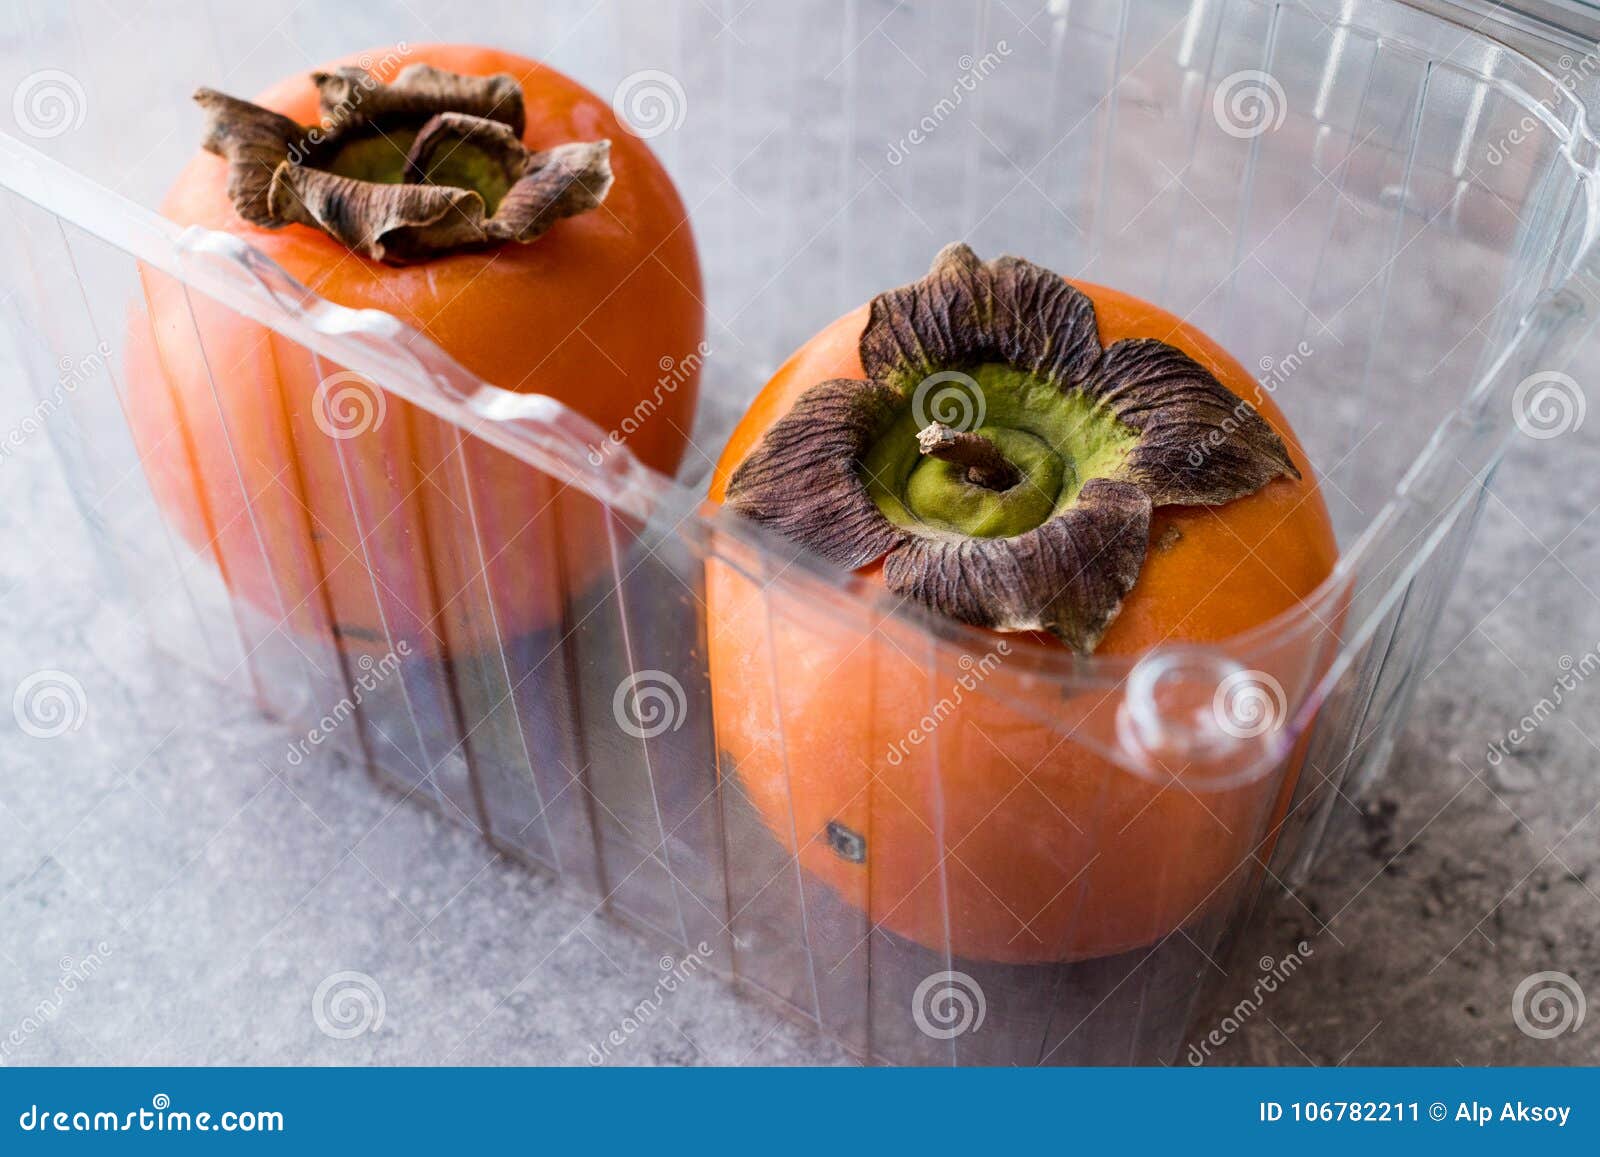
{"x":986,"y":465}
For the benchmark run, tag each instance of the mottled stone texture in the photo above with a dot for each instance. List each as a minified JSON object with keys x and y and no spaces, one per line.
{"x":228,"y":885}
{"x":1457,"y":879}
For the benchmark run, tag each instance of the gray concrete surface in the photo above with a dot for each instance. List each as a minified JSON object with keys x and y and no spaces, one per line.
{"x":220,"y":887}
{"x":1457,"y":880}
{"x":175,"y":893}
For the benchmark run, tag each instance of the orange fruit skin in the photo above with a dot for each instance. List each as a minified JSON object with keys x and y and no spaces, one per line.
{"x":992,"y":830}
{"x":300,"y":523}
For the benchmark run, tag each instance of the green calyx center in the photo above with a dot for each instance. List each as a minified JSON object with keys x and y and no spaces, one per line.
{"x":381,"y":158}
{"x":992,"y":453}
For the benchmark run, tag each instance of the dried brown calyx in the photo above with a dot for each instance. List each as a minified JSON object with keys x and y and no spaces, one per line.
{"x":999,"y":460}
{"x":429,"y":164}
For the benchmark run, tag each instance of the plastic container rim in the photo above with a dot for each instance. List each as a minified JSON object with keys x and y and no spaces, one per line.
{"x":514,"y":421}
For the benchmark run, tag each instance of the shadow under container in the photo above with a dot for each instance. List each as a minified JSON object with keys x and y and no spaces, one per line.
{"x":935,"y":845}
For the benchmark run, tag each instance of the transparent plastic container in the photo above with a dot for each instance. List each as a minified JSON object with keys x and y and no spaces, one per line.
{"x":1390,"y":216}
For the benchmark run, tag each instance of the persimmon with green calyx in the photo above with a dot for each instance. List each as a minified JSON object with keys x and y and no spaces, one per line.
{"x":499,"y":208}
{"x":1041,"y":458}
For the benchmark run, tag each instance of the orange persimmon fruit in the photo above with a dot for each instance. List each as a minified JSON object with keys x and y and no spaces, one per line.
{"x":500,"y":209}
{"x":1031,"y":455}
